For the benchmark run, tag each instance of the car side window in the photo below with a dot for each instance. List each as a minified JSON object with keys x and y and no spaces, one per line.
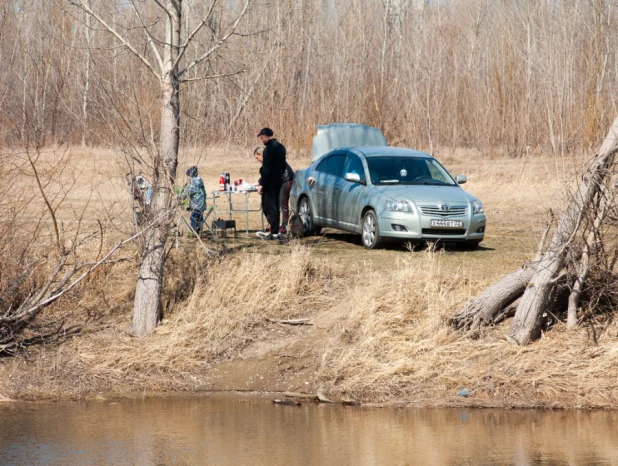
{"x":322,"y":165}
{"x":353,"y":165}
{"x":332,"y":164}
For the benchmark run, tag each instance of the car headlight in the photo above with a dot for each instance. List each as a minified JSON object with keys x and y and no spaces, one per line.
{"x":477,"y":207}
{"x":399,"y":206}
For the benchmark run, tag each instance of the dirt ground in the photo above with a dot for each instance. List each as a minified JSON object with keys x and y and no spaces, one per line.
{"x":341,"y":353}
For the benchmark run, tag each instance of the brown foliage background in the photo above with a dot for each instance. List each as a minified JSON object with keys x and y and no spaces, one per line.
{"x":508,"y":75}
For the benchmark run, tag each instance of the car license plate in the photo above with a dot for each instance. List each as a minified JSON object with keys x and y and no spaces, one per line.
{"x":447,"y":223}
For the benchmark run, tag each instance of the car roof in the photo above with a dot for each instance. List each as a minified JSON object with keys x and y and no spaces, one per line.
{"x":387,"y":151}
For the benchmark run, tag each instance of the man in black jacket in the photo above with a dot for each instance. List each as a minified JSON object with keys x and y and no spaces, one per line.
{"x":271,"y":179}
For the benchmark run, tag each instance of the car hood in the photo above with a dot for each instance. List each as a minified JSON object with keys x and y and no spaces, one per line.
{"x":423,"y":193}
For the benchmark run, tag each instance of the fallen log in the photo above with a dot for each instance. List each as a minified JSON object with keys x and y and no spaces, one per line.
{"x":317,"y":398}
{"x":497,"y":301}
{"x":302,"y":396}
{"x":287,"y":402}
{"x":507,"y":312}
{"x":320,"y":398}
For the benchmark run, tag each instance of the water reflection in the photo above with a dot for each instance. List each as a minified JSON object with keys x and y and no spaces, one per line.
{"x":226,"y":430}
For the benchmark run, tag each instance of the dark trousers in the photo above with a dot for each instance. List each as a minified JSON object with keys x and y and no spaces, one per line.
{"x":284,"y":200}
{"x":197,"y":220}
{"x":270,"y":206}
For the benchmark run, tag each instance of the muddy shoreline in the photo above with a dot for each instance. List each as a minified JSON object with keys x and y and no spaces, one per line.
{"x":444,"y":402}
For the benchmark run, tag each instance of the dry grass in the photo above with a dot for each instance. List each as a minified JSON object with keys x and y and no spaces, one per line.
{"x":228,"y":308}
{"x":397,"y":344}
{"x":393,"y":342}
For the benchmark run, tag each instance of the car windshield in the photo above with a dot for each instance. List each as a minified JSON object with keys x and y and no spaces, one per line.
{"x":408,"y":171}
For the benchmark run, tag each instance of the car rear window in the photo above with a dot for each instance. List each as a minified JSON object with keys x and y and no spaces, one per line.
{"x":408,"y":171}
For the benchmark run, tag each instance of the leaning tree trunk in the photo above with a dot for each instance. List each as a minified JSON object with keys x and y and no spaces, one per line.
{"x":147,"y":304}
{"x":491,"y":305}
{"x":526,"y":325}
{"x":584,"y":267}
{"x":484,"y":308}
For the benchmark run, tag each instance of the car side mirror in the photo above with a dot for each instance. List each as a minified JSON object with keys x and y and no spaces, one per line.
{"x":461,"y":179}
{"x":352,"y":177}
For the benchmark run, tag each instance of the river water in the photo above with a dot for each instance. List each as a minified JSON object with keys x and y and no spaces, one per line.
{"x":243,"y":430}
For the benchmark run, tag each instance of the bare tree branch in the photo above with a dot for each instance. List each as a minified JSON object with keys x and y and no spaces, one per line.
{"x":80,"y":4}
{"x":219,"y":43}
{"x":64,"y":287}
{"x":183,"y":47}
{"x":164,"y":8}
{"x":149,"y":38}
{"x":214,"y":76}
{"x":51,"y":210}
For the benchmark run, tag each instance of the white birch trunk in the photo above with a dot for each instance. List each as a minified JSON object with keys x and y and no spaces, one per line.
{"x":147,"y":305}
{"x":87,"y":36}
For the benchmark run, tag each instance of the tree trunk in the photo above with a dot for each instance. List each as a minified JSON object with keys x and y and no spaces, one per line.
{"x":526,"y":325}
{"x":483,"y":309}
{"x":85,"y":96}
{"x":147,"y":305}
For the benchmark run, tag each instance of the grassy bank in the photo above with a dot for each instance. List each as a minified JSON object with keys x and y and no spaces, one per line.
{"x":379,"y":330}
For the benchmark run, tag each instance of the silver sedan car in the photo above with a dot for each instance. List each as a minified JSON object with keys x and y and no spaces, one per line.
{"x":387,"y":193}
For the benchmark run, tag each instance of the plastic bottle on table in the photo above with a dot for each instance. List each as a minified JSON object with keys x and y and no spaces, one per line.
{"x":222,"y":182}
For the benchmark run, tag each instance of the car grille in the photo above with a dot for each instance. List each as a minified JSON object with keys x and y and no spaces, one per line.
{"x":444,"y":231}
{"x":435,"y":211}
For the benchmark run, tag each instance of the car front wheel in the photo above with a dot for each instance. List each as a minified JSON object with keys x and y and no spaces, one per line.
{"x":306,"y":215}
{"x":370,"y":231}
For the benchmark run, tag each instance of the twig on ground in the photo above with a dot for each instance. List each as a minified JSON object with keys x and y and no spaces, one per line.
{"x":290,"y":321}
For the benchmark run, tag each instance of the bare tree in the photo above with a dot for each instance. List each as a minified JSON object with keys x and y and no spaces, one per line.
{"x":43,"y":259}
{"x":168,"y":62}
{"x":533,"y":291}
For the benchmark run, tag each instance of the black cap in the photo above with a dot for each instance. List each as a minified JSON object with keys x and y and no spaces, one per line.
{"x":192,"y":171}
{"x":266,"y":132}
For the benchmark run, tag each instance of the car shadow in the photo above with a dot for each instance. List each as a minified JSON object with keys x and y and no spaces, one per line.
{"x":350,"y":238}
{"x":332,"y":237}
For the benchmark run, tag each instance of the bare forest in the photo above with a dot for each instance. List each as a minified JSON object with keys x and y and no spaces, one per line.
{"x":512,"y":75}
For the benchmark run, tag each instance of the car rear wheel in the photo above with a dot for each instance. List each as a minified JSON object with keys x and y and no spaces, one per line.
{"x":370,"y":232}
{"x":306,"y":215}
